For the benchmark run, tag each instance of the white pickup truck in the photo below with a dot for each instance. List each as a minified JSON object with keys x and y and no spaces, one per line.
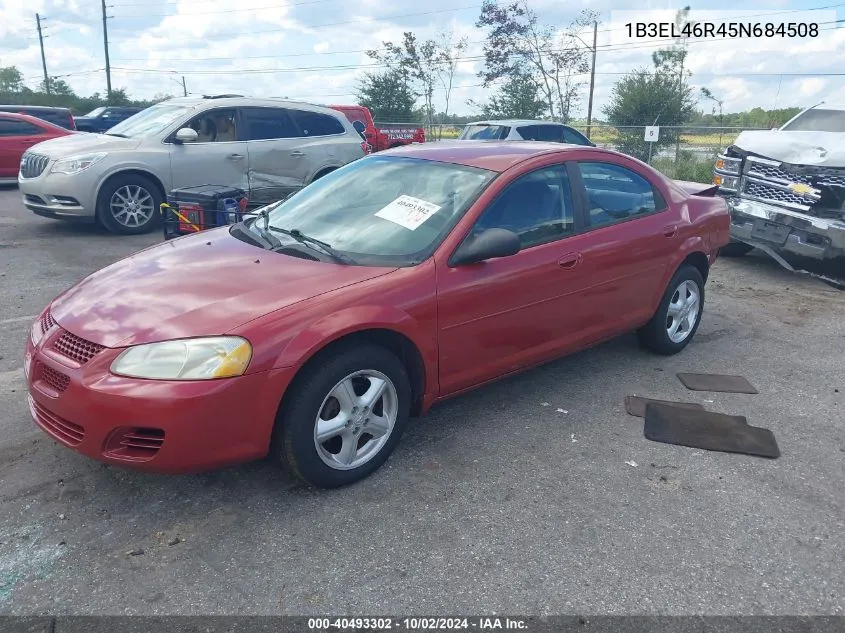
{"x":786,"y":188}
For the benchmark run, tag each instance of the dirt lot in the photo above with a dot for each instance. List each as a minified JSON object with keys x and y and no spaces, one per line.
{"x":492,"y":503}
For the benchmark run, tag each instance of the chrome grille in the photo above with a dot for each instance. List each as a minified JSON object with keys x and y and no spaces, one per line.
{"x":771,"y":194}
{"x":774,"y":172}
{"x":33,"y":165}
{"x":832,"y":180}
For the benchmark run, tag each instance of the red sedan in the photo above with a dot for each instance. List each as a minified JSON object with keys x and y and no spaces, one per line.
{"x":19,"y":132}
{"x":315,"y":330}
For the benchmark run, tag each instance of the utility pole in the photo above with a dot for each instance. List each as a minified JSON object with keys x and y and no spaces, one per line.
{"x":592,"y":77}
{"x":43,"y":59}
{"x":106,"y":47}
{"x":184,"y":86}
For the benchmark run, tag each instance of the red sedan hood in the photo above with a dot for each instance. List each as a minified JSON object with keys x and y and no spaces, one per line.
{"x":205,"y":284}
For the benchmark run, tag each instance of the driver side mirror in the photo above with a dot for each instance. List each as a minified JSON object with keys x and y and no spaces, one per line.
{"x":490,"y":244}
{"x":186,"y":135}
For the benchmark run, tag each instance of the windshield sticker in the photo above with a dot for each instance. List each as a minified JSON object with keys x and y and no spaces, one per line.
{"x":408,"y":212}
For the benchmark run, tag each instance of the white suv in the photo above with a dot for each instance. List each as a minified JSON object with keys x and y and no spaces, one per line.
{"x":268,"y":147}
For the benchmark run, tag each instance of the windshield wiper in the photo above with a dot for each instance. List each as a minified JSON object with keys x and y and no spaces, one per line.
{"x":300,"y":237}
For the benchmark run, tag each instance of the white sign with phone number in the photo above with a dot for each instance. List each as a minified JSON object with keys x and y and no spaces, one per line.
{"x":408,"y":212}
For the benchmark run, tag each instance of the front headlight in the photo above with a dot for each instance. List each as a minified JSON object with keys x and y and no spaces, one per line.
{"x":728,"y":165}
{"x":76,"y":164}
{"x":186,"y":359}
{"x":730,"y":183}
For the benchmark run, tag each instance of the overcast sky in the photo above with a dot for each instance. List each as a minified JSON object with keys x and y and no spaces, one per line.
{"x":313,"y":49}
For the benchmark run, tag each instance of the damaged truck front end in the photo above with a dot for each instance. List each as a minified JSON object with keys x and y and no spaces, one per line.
{"x":786,"y":193}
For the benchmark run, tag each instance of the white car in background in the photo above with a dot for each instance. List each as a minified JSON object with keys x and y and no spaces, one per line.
{"x":268,"y":147}
{"x":523,"y":130}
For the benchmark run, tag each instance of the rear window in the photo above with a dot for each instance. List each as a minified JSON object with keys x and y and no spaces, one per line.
{"x":484,"y":132}
{"x":316,"y":123}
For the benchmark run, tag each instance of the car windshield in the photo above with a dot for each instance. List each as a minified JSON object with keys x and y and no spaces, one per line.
{"x":818,"y":120}
{"x":381,"y":211}
{"x":96,"y":112}
{"x":151,"y":121}
{"x":484,"y":132}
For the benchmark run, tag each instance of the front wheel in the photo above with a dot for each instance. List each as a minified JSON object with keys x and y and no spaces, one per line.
{"x":129,"y":205}
{"x":343,"y":416}
{"x":678,"y":315}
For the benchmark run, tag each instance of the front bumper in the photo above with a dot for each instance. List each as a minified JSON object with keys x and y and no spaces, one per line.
{"x":158,"y":426}
{"x":760,"y":224}
{"x":61,"y":196}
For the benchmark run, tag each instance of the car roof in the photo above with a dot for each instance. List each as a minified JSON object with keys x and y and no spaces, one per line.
{"x":12,"y":107}
{"x":237,"y":101}
{"x":515,"y":122}
{"x":492,"y":155}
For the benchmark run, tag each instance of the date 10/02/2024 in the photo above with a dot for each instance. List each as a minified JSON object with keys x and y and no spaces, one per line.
{"x":722,"y":29}
{"x":417,"y":624}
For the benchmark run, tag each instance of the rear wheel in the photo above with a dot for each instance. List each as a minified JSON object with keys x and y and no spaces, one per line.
{"x":128,"y":204}
{"x":677,"y":317}
{"x":343,"y":416}
{"x":735,"y":249}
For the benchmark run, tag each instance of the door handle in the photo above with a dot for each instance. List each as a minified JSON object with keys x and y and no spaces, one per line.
{"x":569,"y":261}
{"x":235,"y":156}
{"x":297,"y":153}
{"x":670,"y":231}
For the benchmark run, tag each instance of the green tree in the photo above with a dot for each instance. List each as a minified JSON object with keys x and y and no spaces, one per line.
{"x":518,"y":98}
{"x":554,"y":58}
{"x":58,"y":87}
{"x":659,"y":96}
{"x":11,"y":80}
{"x":388,"y":96}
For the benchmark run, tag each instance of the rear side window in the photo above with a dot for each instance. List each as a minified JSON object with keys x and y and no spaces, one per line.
{"x":263,"y":124}
{"x":12,"y":127}
{"x":316,"y":123}
{"x":616,"y":194}
{"x":550,"y":133}
{"x":573,"y":137}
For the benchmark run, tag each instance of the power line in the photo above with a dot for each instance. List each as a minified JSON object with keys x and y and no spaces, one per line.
{"x":345,"y":67}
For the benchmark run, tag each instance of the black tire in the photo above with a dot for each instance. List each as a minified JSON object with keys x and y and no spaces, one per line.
{"x":654,"y":335}
{"x":735,"y":249}
{"x":323,"y":173}
{"x":293,"y":441}
{"x":104,"y":208}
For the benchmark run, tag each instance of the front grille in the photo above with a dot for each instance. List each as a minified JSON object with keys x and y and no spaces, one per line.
{"x":76,"y":348}
{"x":773,"y":172}
{"x":134,"y":443}
{"x":47,"y":321}
{"x":832,"y":180}
{"x":64,"y":431}
{"x":772,"y":194}
{"x":33,"y":165}
{"x":56,"y":379}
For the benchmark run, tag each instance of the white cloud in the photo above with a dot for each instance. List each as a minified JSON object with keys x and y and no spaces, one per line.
{"x":313,"y":49}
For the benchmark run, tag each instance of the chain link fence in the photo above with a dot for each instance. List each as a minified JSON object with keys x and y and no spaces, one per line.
{"x":682,"y":152}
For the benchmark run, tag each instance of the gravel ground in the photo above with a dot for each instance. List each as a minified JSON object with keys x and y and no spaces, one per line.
{"x":493,"y":503}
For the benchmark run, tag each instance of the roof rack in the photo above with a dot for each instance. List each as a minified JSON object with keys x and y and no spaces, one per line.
{"x":223,"y":96}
